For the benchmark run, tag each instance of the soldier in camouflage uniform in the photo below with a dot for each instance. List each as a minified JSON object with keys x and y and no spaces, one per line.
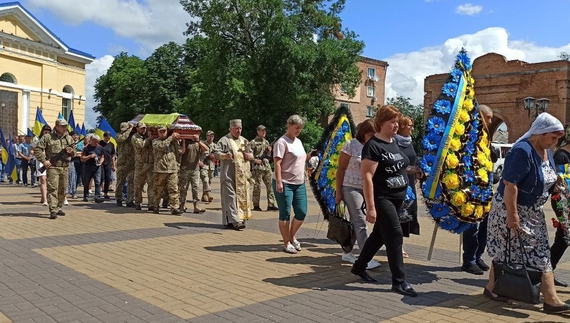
{"x":207,"y":167}
{"x":142,"y":146}
{"x":193,"y":152}
{"x":57,"y":174}
{"x":125,"y":169}
{"x":261,"y":169}
{"x":166,"y":167}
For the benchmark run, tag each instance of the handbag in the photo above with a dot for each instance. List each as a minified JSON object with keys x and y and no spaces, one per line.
{"x":517,"y":281}
{"x":341,"y":230}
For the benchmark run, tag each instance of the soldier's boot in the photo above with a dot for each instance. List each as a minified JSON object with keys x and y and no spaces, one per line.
{"x":175,"y":212}
{"x":205,"y":197}
{"x":131,"y":204}
{"x":119,"y":203}
{"x":257,"y":208}
{"x":151,"y":208}
{"x":155,"y":210}
{"x":210,"y":198}
{"x":164,"y":205}
{"x":197,"y":208}
{"x":138,"y":207}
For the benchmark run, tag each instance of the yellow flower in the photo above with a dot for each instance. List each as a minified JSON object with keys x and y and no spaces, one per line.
{"x":485,"y":136}
{"x":451,"y":181}
{"x":331,"y":173}
{"x":451,"y":161}
{"x":482,"y":172}
{"x":458,"y":198}
{"x":489,"y":165}
{"x":468,"y":104}
{"x":334,"y":159}
{"x":347,"y":137}
{"x":487,"y":151}
{"x":464,"y":115}
{"x":488,"y":208}
{"x":459,"y":129}
{"x":479,"y":211}
{"x":481,"y":158}
{"x":472,"y":81}
{"x":467,"y":209}
{"x":455,"y":144}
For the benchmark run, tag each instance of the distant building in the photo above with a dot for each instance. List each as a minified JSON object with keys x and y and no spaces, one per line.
{"x":37,"y":69}
{"x":369,"y":93}
{"x":502,"y":85}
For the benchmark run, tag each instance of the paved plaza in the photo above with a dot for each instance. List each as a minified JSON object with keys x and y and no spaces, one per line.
{"x":103,"y":263}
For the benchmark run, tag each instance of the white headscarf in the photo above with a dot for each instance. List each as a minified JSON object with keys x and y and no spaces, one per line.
{"x":544,"y":123}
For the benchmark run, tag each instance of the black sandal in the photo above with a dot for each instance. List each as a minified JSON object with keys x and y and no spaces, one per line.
{"x":497,"y":298}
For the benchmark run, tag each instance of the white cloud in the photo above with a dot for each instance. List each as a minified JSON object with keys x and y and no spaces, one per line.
{"x":151,"y":23}
{"x":407,"y":71}
{"x":468,"y":9}
{"x":97,"y":68}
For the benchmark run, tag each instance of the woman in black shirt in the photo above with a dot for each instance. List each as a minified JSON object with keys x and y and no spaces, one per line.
{"x":384,"y":173}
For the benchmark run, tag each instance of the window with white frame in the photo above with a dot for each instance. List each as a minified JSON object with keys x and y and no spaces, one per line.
{"x":371,"y":72}
{"x":370,"y":91}
{"x":370,"y":111}
{"x":67,"y":104}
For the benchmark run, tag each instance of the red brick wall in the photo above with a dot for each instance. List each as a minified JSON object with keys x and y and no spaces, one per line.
{"x":502,"y":85}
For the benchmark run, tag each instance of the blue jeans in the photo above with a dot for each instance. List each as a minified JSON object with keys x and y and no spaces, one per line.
{"x":293,"y":195}
{"x":2,"y":171}
{"x":474,"y":243}
{"x":72,"y":180}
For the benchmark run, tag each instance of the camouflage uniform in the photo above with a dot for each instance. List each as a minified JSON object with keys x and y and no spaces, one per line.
{"x":166,"y":168}
{"x":190,"y":175}
{"x":207,"y":172}
{"x":125,"y":169}
{"x":57,"y":174}
{"x":143,"y":167}
{"x":261,"y":172}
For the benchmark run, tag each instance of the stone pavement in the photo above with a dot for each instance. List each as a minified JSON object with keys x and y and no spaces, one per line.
{"x":103,"y":263}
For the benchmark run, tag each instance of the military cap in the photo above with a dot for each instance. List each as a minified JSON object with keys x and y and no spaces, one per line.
{"x":235,"y":123}
{"x":124,"y":126}
{"x":61,"y":122}
{"x":261,"y":127}
{"x":210,"y":132}
{"x":161,"y":128}
{"x":141,"y":125}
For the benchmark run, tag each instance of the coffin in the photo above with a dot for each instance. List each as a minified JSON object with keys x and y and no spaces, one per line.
{"x":175,"y":122}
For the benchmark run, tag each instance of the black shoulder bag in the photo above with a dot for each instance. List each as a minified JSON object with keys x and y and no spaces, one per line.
{"x":517,"y":281}
{"x":341,"y":230}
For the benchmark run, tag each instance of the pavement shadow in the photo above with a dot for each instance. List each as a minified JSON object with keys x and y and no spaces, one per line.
{"x":26,"y":215}
{"x":246,"y":248}
{"x":471,"y":281}
{"x":184,"y":225}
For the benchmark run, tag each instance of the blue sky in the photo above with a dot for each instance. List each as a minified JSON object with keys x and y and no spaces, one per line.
{"x":416,"y":37}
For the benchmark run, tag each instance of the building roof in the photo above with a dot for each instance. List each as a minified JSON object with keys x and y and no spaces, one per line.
{"x":373,"y":61}
{"x":16,"y":7}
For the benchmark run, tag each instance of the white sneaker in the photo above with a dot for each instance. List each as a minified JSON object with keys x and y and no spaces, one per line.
{"x":373,"y":264}
{"x":45,"y":203}
{"x":90,"y":192}
{"x":296,"y":244}
{"x":65,"y":202}
{"x":349,"y":257}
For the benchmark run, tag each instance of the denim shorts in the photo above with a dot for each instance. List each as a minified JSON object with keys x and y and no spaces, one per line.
{"x":293,"y":195}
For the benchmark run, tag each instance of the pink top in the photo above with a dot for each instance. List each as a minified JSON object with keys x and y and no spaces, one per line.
{"x":293,"y":159}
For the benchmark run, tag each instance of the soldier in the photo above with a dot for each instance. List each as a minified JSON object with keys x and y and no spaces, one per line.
{"x":142,"y":146}
{"x":192,"y":154}
{"x":207,"y":167}
{"x":166,"y":167}
{"x":261,"y":169}
{"x":57,"y":173}
{"x":125,"y":169}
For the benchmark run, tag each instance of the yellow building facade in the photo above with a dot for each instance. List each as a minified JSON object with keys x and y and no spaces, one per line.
{"x":37,"y":70}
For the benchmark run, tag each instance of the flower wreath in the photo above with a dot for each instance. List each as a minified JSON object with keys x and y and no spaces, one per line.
{"x":561,"y":202}
{"x":323,"y":180}
{"x":458,"y":185}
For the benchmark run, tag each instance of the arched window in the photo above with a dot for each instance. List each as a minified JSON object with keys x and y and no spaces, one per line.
{"x":7,"y":77}
{"x":67,"y":103}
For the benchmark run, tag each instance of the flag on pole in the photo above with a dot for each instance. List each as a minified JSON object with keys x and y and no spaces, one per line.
{"x":30,"y":133}
{"x":103,"y":127}
{"x":4,"y":148}
{"x":70,"y":122}
{"x":77,"y":129}
{"x":11,"y":169}
{"x":60,"y":116}
{"x":83,"y":131}
{"x":39,"y":123}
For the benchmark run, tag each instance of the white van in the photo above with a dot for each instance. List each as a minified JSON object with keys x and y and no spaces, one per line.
{"x":502,"y":150}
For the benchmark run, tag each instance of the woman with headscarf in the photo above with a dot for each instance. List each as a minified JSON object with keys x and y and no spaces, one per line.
{"x":527,"y":181}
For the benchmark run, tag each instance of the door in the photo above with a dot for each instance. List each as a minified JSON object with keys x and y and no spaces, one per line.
{"x":9,"y":112}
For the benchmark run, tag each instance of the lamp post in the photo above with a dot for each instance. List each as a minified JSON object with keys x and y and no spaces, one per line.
{"x":538,"y":105}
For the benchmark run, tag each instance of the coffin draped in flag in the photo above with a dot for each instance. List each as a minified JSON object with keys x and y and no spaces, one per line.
{"x":323,"y":180}
{"x":457,"y":159}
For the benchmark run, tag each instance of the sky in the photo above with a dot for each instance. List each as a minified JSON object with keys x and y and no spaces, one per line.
{"x":416,"y":37}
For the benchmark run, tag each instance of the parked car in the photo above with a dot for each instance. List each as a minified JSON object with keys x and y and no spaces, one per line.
{"x":501,"y":150}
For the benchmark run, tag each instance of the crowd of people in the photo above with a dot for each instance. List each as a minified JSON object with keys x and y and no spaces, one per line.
{"x":374,"y":170}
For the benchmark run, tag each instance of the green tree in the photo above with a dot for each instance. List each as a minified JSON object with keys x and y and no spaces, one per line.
{"x":564,"y":55}
{"x":416,"y":113}
{"x":262,"y":63}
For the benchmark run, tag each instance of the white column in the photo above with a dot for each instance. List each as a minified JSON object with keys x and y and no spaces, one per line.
{"x":25,"y":115}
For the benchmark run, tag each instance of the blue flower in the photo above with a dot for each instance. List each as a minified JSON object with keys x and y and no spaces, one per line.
{"x":486,"y":193}
{"x":410,"y":196}
{"x":475,"y":191}
{"x":466,"y":160}
{"x":469,"y":176}
{"x":442,"y":106}
{"x":449,"y":223}
{"x":436,"y":125}
{"x":464,"y":60}
{"x":438,"y":211}
{"x":470,"y":148}
{"x":345,"y":127}
{"x":473,"y":136}
{"x":475,"y":123}
{"x":449,"y":89}
{"x":431,"y":141}
{"x":427,"y":162}
{"x":323,"y":181}
{"x":456,"y":74}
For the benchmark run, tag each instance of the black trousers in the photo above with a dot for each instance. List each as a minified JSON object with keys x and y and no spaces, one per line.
{"x":387,"y":231}
{"x":558,"y":247}
{"x":106,"y":172}
{"x":32,"y":166}
{"x":91,"y":172}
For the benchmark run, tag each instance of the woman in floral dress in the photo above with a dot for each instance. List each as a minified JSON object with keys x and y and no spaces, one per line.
{"x":529,"y":174}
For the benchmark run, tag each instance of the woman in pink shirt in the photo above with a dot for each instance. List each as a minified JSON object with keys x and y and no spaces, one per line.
{"x":289,"y":182}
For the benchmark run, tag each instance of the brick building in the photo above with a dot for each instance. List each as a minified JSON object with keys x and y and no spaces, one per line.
{"x":369,"y":93}
{"x":502,"y":85}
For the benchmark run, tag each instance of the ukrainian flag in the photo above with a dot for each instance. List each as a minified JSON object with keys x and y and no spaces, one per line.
{"x":4,"y":148}
{"x":83,"y":131}
{"x":70,"y":122}
{"x":30,"y":133}
{"x":77,"y":129}
{"x":11,"y":169}
{"x":103,"y":127}
{"x":39,"y":123}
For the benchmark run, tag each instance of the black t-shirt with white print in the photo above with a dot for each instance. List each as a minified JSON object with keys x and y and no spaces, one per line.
{"x":390,"y":179}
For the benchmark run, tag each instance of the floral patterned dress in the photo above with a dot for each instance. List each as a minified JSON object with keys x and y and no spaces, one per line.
{"x":533,"y":230}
